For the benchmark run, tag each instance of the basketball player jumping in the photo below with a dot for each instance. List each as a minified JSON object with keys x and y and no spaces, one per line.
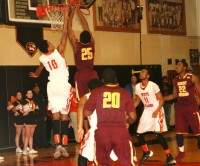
{"x":111,"y":104}
{"x":83,"y":53}
{"x":187,"y":109}
{"x":153,"y":116}
{"x":58,"y":88}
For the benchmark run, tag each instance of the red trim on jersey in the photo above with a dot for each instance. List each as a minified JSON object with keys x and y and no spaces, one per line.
{"x":143,"y":87}
{"x":48,"y":53}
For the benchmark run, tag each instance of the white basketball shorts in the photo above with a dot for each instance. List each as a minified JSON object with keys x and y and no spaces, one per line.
{"x":59,"y":93}
{"x":148,"y":123}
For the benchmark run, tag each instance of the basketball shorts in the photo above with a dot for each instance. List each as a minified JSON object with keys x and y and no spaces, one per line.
{"x":187,"y":115}
{"x":148,"y":123}
{"x":81,"y":80}
{"x":87,"y":148}
{"x":114,"y":138}
{"x":59,"y":94}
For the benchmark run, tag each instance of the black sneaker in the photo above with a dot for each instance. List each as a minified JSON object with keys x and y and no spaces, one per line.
{"x":145,"y":156}
{"x":170,"y":160}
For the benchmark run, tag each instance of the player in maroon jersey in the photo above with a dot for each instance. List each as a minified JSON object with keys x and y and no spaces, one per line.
{"x":112,"y":104}
{"x":187,"y":111}
{"x":83,"y":54}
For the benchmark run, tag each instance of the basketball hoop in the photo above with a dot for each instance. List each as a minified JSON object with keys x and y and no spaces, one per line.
{"x":81,"y":4}
{"x":54,"y":12}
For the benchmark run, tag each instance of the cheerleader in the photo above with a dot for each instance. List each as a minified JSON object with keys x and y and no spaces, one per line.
{"x":29,"y":122}
{"x":16,"y":108}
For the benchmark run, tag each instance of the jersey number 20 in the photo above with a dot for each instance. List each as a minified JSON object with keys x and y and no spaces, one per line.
{"x":111,"y":100}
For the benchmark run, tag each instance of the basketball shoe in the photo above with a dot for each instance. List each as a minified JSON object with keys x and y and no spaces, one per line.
{"x":170,"y":160}
{"x":57,"y":152}
{"x":64,"y":152}
{"x":145,"y":156}
{"x":180,"y":156}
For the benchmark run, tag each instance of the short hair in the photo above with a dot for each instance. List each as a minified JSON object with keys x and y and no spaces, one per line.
{"x":94,"y":83}
{"x":185,"y":64}
{"x":109,"y":76}
{"x":43,"y":46}
{"x":85,"y":37}
{"x":148,"y":71}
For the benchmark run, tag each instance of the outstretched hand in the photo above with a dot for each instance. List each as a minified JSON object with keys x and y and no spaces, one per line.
{"x":33,"y":75}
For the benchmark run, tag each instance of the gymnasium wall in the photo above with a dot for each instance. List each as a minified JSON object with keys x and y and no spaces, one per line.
{"x":115,"y":48}
{"x":15,"y":78}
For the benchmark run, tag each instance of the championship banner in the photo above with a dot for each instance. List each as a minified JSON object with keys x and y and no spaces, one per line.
{"x":28,"y":38}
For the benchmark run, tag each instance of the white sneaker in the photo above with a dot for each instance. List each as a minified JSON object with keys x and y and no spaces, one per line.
{"x":1,"y":158}
{"x":25,"y":152}
{"x":64,"y":152}
{"x":32,"y":151}
{"x":57,"y":152}
{"x":18,"y":150}
{"x":32,"y":155}
{"x":28,"y":149}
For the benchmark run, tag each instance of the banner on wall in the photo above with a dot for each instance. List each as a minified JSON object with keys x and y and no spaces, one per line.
{"x":194,"y":57}
{"x":29,"y":38}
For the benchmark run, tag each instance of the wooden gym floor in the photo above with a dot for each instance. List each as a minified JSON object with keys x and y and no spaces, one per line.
{"x":44,"y":157}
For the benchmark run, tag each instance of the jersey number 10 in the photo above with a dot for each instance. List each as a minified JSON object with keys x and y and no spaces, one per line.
{"x":52,"y":64}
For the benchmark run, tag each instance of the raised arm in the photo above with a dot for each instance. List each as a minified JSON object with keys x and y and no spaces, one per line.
{"x":37,"y":72}
{"x":84,"y":23}
{"x":63,"y":41}
{"x":71,"y":34}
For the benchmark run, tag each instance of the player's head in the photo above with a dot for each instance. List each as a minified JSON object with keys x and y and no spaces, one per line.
{"x":109,"y":76}
{"x":181,"y":66}
{"x":46,"y":46}
{"x":85,"y":37}
{"x":145,"y":74}
{"x":94,"y":83}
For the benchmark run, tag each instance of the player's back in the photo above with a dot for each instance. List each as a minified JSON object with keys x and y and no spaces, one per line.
{"x":111,"y":103}
{"x":55,"y":64}
{"x":84,"y":56}
{"x":185,"y":89}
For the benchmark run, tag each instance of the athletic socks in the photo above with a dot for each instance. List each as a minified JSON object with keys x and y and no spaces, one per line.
{"x":163,"y":142}
{"x":180,"y":142}
{"x":142,"y":142}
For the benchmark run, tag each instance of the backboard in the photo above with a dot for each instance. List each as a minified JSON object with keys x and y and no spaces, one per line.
{"x":23,"y":12}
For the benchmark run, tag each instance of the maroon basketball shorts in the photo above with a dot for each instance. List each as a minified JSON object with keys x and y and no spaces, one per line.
{"x":117,"y":139}
{"x":187,"y":115}
{"x":82,"y":77}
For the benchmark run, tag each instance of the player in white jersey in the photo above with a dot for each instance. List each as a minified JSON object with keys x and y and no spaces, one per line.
{"x":58,"y":88}
{"x":87,"y":149}
{"x":153,"y":116}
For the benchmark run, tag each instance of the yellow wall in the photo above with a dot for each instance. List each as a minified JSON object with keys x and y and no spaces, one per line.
{"x":115,"y":48}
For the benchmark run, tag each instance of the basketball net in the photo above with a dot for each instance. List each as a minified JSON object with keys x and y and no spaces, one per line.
{"x":56,"y":16}
{"x":55,"y":12}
